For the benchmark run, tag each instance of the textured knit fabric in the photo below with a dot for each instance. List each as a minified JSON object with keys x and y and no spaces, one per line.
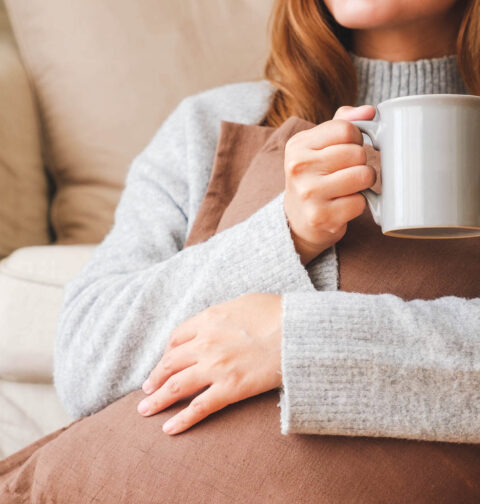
{"x":352,"y":364}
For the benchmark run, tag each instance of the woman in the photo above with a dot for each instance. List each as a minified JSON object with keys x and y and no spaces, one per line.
{"x":144,"y":308}
{"x":256,"y":306}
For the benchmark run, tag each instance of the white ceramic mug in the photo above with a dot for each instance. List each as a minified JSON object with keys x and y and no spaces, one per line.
{"x":430,"y":156}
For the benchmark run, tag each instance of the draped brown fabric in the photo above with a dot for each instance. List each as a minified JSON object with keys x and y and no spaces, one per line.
{"x":369,"y":261}
{"x":373,"y":263}
{"x":224,"y":182}
{"x":238,"y":453}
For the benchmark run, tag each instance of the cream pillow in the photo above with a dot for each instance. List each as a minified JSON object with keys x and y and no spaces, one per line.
{"x":23,"y":183}
{"x":107,"y":73}
{"x":31,"y":295}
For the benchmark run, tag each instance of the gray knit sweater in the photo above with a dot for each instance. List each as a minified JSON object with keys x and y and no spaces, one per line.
{"x":352,"y":364}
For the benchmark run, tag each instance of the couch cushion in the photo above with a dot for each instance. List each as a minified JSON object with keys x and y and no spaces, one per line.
{"x":24,"y":200}
{"x":27,"y":411}
{"x":106,"y":74}
{"x":31,"y":292}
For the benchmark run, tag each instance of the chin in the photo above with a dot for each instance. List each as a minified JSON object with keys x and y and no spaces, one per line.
{"x":365,"y":14}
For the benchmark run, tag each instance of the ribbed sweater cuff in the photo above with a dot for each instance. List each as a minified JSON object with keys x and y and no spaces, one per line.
{"x":321,"y":392}
{"x":349,"y":367}
{"x":259,"y":253}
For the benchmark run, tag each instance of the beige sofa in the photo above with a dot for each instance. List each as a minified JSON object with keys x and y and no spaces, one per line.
{"x":83,"y":87}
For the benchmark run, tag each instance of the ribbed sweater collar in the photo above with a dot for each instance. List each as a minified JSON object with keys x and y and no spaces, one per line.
{"x":379,"y":80}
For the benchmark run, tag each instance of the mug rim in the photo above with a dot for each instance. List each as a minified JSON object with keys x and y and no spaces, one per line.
{"x":430,"y":97}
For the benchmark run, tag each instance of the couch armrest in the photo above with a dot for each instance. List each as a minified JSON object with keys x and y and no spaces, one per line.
{"x":31,"y":293}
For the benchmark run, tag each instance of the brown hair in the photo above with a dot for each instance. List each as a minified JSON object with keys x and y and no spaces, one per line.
{"x":310,"y":66}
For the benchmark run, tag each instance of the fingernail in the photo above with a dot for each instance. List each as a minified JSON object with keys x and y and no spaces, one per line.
{"x":169,"y":426}
{"x":147,"y":386}
{"x":143,"y":407}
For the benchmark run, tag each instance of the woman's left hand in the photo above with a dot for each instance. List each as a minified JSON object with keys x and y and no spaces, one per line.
{"x":233,"y":348}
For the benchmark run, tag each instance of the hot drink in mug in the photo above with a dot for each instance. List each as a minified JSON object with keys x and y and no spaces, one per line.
{"x":430,"y":166}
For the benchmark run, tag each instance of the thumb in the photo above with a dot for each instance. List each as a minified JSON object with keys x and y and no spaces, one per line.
{"x":362,"y":113}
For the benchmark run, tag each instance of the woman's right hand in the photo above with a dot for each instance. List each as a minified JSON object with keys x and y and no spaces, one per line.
{"x":325,"y":168}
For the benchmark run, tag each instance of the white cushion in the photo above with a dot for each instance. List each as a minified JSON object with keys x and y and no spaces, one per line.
{"x":27,"y":412}
{"x":31,"y":293}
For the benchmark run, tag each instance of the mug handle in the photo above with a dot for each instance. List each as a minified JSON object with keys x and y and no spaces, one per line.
{"x":372,"y":128}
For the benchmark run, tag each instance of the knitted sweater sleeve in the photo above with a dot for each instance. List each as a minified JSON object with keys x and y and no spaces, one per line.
{"x":140,"y":283}
{"x":375,"y":365}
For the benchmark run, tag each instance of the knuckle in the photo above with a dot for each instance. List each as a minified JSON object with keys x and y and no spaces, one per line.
{"x":305,"y":193}
{"x":341,"y":111}
{"x":358,"y":204}
{"x":172,"y":340}
{"x":336,"y":229}
{"x":234,"y":377}
{"x":173,"y":387}
{"x":317,"y":216}
{"x":293,"y":167}
{"x":167,"y":363}
{"x":361,"y":202}
{"x":373,"y":175}
{"x":347,"y":132}
{"x":220,"y":360}
{"x":366,"y":176}
{"x":207,"y":341}
{"x":199,"y":406}
{"x":358,"y":154}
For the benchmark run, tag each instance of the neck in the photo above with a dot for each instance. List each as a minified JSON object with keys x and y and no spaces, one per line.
{"x":418,"y":39}
{"x":379,"y":79}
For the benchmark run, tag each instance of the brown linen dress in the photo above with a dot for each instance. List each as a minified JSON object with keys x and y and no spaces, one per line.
{"x":238,"y":453}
